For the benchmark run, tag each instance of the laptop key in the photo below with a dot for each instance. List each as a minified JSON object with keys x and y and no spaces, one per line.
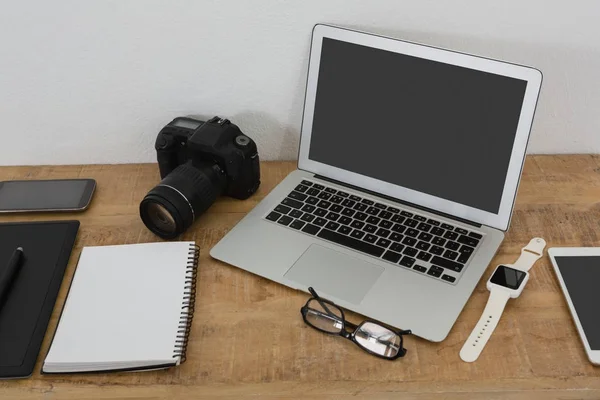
{"x":386,"y":224}
{"x":345,"y":230}
{"x":451,"y":254}
{"x":437,"y":250}
{"x":469,"y":241}
{"x":463,"y":258}
{"x":448,"y":278}
{"x":452,"y":245}
{"x":370,"y":238}
{"x":446,"y":226}
{"x":320,"y":212}
{"x":301,"y":188}
{"x":324,"y":195}
{"x":438,"y":240}
{"x":331,"y":190}
{"x":411,"y":222}
{"x":407,"y":261}
{"x":396,"y":237}
{"x":313,"y":192}
{"x":360,"y":207}
{"x":367,"y":202}
{"x":379,"y":205}
{"x":348,"y":212}
{"x":466,"y":249}
{"x":420,"y":218}
{"x":419,"y":268}
{"x":398,"y":218}
{"x":393,"y":210}
{"x":306,"y":183}
{"x":397,"y":247}
{"x":308,"y":208}
{"x":312,"y":200}
{"x":424,"y":256}
{"x":297,"y":224}
{"x":360,"y":216}
{"x":370,"y":228}
{"x":357,"y":224}
{"x":336,"y":208}
{"x":296,"y":213}
{"x":324,"y":204}
{"x":424,"y":227}
{"x":426,"y":237}
{"x":451,"y":235}
{"x":383,"y":242}
{"x":343,"y":194}
{"x":373,"y":220}
{"x":332,"y":216}
{"x":423,"y":246}
{"x":285,"y":220}
{"x":399,"y":228}
{"x":348,"y":203}
{"x":406,"y":214}
{"x":448,"y":264}
{"x":355,"y":198}
{"x":310,"y":228}
{"x":358,"y":234}
{"x":336,"y":199}
{"x":433,"y":222}
{"x":372,"y":210}
{"x":273,"y":216}
{"x":332,"y":225}
{"x":392,"y":256}
{"x":409,"y":241}
{"x":292,"y":203}
{"x":412,"y":232}
{"x":345,"y":220}
{"x":385,"y":214}
{"x":282,"y":209}
{"x":475,"y":235}
{"x":409,"y":251}
{"x":383,"y":232}
{"x":307,"y":217}
{"x":317,"y":186}
{"x":461,"y":231}
{"x":320,"y":221}
{"x":437,"y":231}
{"x":350,"y":242}
{"x":435,"y":271}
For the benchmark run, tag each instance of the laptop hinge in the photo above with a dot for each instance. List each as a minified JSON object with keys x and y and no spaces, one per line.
{"x":429,"y":210}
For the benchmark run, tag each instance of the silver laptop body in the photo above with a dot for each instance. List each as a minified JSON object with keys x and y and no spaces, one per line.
{"x":409,"y":164}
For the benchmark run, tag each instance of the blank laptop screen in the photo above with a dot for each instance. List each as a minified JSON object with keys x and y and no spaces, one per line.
{"x":436,"y":128}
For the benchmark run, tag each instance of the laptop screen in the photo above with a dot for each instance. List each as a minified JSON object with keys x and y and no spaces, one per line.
{"x":432,"y":127}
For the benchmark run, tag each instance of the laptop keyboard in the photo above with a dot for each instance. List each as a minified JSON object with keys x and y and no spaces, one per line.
{"x":410,"y":240}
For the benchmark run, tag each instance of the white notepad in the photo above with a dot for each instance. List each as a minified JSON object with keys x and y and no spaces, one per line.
{"x":129,"y":308}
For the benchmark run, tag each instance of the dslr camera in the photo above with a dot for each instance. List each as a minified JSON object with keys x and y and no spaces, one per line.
{"x":198,"y":162}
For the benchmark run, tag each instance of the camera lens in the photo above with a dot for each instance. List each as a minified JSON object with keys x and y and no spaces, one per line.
{"x":179,"y":199}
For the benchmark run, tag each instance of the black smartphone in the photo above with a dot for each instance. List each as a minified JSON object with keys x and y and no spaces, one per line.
{"x":46,"y":195}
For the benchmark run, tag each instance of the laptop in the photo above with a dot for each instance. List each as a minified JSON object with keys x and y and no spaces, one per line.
{"x":409,"y":164}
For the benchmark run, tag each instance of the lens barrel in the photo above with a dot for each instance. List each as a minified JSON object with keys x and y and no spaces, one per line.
{"x":180,"y":198}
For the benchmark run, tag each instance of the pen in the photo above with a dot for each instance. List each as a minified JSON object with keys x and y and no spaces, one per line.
{"x":8,"y":276}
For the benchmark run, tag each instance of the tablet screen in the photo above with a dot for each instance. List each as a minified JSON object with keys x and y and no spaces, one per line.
{"x":581,"y":275}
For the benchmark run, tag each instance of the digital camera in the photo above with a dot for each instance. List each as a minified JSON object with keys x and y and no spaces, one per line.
{"x":198,"y":162}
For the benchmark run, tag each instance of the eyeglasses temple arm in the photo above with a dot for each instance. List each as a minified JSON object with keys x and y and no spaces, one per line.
{"x":323,"y":304}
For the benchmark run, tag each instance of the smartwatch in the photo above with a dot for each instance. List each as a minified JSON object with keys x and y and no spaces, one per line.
{"x":507,"y":282}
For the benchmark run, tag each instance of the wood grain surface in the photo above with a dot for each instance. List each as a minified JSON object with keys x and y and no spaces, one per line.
{"x":249,"y":342}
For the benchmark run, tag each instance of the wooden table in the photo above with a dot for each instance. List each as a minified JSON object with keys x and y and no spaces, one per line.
{"x":249,"y":341}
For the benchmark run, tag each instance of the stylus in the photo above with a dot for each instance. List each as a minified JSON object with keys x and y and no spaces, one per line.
{"x":8,"y":277}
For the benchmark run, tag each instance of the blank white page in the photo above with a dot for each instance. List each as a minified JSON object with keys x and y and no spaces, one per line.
{"x":124,"y":305}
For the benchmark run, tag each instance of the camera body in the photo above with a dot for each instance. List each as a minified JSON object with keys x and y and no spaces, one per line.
{"x":215,"y":142}
{"x":198,"y":162}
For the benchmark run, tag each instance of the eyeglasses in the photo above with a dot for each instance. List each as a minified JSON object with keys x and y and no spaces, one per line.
{"x":370,"y":336}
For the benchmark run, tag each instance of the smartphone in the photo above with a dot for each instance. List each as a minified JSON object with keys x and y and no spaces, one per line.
{"x":46,"y":195}
{"x":578,"y":272}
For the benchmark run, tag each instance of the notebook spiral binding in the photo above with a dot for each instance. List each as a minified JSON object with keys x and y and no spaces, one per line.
{"x":189,"y":301}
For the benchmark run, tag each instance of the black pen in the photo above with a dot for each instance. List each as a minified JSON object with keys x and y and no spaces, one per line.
{"x":8,"y":277}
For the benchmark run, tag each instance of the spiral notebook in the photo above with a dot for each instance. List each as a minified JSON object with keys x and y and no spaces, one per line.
{"x":130,"y":307}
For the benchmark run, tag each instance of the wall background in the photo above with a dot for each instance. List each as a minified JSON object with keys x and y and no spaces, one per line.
{"x":94,"y":81}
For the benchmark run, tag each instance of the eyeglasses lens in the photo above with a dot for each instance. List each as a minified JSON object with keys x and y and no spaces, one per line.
{"x":378,"y":339}
{"x":324,"y":316}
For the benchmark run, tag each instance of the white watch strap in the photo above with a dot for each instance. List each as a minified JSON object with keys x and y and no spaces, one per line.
{"x":486,"y":325}
{"x":530,"y":254}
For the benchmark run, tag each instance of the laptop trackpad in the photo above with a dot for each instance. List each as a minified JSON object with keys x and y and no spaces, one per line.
{"x":331,"y":272}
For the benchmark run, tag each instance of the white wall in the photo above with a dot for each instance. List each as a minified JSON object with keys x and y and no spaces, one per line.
{"x":94,"y":81}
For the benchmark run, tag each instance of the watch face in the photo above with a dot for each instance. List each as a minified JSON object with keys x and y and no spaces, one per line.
{"x":508,"y":277}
